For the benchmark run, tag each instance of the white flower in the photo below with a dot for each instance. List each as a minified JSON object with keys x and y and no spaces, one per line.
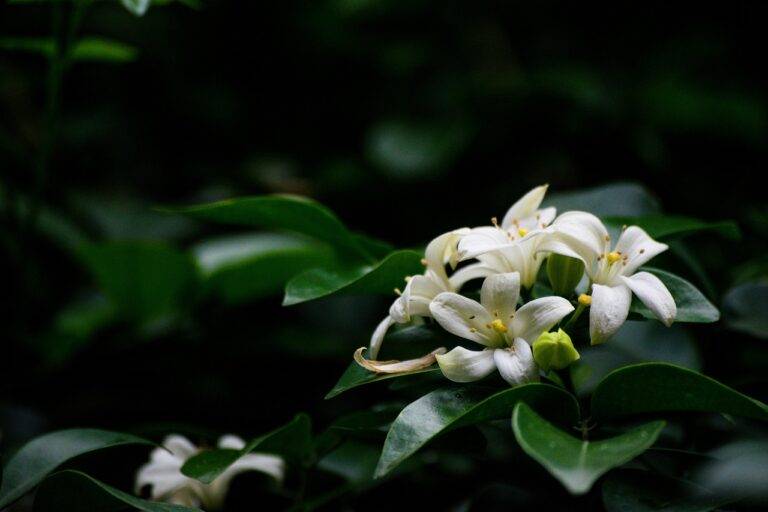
{"x":420,"y":290}
{"x":513,"y":245}
{"x":612,"y":271}
{"x":168,"y":483}
{"x":495,"y":322}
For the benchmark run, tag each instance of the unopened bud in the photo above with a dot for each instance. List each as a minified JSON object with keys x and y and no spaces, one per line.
{"x":554,"y":351}
{"x":564,"y":273}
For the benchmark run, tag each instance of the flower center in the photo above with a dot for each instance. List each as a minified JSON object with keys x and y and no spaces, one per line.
{"x":613,"y":257}
{"x":498,"y":326}
{"x":522,"y":231}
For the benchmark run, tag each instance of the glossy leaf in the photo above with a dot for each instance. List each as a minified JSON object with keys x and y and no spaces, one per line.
{"x":578,"y":463}
{"x":286,"y":212}
{"x":383,"y":277}
{"x":97,"y":49}
{"x":449,"y":408}
{"x":665,"y":226}
{"x":293,"y":442}
{"x":73,"y":491}
{"x":692,"y":305}
{"x":355,"y":375}
{"x":746,"y":309}
{"x":616,"y":199}
{"x":42,"y":455}
{"x":242,"y":267}
{"x":657,"y":387}
{"x":144,"y":280}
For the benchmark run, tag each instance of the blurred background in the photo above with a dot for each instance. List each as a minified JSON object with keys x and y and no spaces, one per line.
{"x":406,"y":118}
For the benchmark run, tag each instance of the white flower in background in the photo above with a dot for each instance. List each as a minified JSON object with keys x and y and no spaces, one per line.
{"x":163,"y":473}
{"x":612,"y":271}
{"x":513,"y":245}
{"x":420,"y":290}
{"x":496,"y":323}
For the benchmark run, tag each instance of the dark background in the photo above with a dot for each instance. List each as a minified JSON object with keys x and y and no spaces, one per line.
{"x":407,"y":118}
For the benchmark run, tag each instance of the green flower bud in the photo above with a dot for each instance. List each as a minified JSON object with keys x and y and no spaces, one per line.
{"x":564,"y":273}
{"x":554,"y":350}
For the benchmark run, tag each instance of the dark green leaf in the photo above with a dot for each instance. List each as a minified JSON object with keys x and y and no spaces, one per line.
{"x":292,"y":441}
{"x":663,"y":226}
{"x":292,"y":213}
{"x":617,"y":199}
{"x":641,"y":491}
{"x":746,"y":309}
{"x":355,"y":375}
{"x":242,"y":267}
{"x":657,"y":387}
{"x":73,"y":491}
{"x":449,"y":408}
{"x":96,"y":49}
{"x":36,"y":459}
{"x":692,"y":305}
{"x":144,"y":280}
{"x":577,"y":463}
{"x":383,"y":277}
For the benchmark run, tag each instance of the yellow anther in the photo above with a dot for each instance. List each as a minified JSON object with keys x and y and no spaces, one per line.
{"x":498,"y":326}
{"x":613,"y":257}
{"x":424,"y":261}
{"x":522,"y":231}
{"x":495,"y":221}
{"x":585,"y":300}
{"x":398,"y":292}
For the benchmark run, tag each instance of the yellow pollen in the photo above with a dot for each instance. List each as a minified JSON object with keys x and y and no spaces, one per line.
{"x":585,"y":300}
{"x":613,"y":257}
{"x":522,"y":231}
{"x":498,"y":326}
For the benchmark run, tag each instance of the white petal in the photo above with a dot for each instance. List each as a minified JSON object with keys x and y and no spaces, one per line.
{"x":464,"y":317}
{"x":416,"y":297}
{"x":462,"y":365}
{"x":639,"y":247}
{"x":540,"y":220}
{"x":654,"y":294}
{"x":395,"y":366}
{"x":499,"y":295}
{"x":180,"y":446}
{"x":481,"y":240}
{"x":609,"y":310}
{"x":378,"y":335}
{"x":442,"y":250}
{"x":165,"y":478}
{"x":583,"y":233}
{"x":516,"y":366}
{"x":231,"y":441}
{"x":538,"y":316}
{"x":473,"y":271}
{"x":526,"y":206}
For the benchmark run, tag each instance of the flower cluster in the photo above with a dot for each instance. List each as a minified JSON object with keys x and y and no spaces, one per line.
{"x":162,"y":474}
{"x":509,"y":256}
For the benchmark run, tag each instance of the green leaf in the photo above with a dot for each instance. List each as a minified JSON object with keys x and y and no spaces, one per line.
{"x":146,"y":281}
{"x":36,"y":459}
{"x":692,"y":305}
{"x":746,"y":309}
{"x":355,"y":375}
{"x":73,"y":491}
{"x":382,"y":277}
{"x":664,"y":226}
{"x":293,"y":442}
{"x":449,"y":408}
{"x":657,"y":387}
{"x":285,"y":212}
{"x":633,"y":490}
{"x":617,"y":199}
{"x":243,"y":267}
{"x":577,"y":463}
{"x":136,"y":7}
{"x":96,"y":49}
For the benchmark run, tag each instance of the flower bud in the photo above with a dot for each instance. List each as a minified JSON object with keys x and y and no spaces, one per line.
{"x":554,"y":350}
{"x":564,"y":273}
